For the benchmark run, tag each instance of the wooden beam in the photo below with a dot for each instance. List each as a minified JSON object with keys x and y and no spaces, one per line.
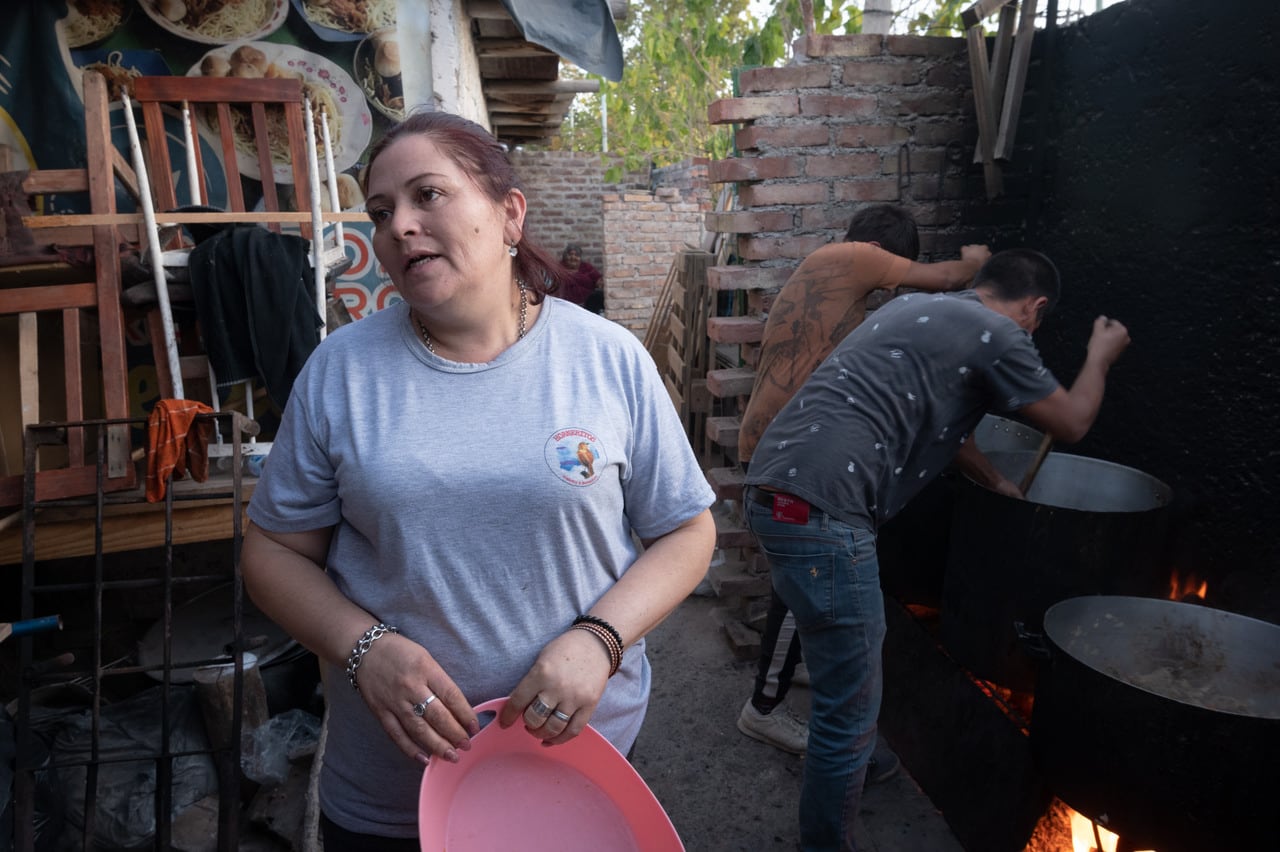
{"x":493,"y":10}
{"x":126,"y":528}
{"x":510,"y":48}
{"x":979,"y":11}
{"x":540,"y":87}
{"x":982,"y":106}
{"x":55,"y":180}
{"x":999,"y":72}
{"x":35,"y":299}
{"x":162,"y":218}
{"x":1017,"y":80}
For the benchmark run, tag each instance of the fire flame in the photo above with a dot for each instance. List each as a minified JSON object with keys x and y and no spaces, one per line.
{"x":1083,"y":838}
{"x":1183,"y":587}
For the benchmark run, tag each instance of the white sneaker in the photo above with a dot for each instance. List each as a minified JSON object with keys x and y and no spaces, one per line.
{"x":780,"y":729}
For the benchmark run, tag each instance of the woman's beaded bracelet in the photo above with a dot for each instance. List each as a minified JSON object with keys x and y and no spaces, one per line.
{"x":370,"y":636}
{"x":606,"y":633}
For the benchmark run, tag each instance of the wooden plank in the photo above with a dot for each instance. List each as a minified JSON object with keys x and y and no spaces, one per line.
{"x":700,"y":399}
{"x":74,"y":383}
{"x":676,"y":327}
{"x":52,"y":298}
{"x":982,"y":106}
{"x":158,"y":166}
{"x":675,"y":363}
{"x":1017,"y":81}
{"x":138,"y":530}
{"x":227,"y":141}
{"x":979,"y":11}
{"x":37,"y":222}
{"x":55,"y":180}
{"x":106,"y":261}
{"x":1000,"y":63}
{"x":217,"y":89}
{"x":673,"y":392}
{"x":28,"y":368}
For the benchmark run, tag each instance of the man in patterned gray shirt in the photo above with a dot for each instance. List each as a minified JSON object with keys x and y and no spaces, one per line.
{"x":878,"y":419}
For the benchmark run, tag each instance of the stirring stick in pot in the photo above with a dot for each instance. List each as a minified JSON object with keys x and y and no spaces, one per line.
{"x":1030,"y":475}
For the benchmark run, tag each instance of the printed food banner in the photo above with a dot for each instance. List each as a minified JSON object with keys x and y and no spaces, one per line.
{"x":345,"y":50}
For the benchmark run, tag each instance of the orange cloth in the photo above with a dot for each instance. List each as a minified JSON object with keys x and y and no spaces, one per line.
{"x":174,"y":447}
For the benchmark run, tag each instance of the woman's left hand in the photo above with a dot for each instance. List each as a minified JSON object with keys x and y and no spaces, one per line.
{"x":558,"y":696}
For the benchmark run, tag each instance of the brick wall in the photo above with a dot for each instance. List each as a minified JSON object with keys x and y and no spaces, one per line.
{"x":628,"y":233}
{"x":564,"y":189}
{"x":643,"y":232}
{"x":854,"y":120}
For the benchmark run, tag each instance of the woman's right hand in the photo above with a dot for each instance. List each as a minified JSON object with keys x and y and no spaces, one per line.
{"x":396,"y":674}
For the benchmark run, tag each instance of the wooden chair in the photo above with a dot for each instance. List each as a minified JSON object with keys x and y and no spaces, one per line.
{"x":82,"y":301}
{"x":256,"y":103}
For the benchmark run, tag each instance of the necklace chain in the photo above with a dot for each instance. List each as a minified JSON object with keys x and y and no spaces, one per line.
{"x":524,"y":314}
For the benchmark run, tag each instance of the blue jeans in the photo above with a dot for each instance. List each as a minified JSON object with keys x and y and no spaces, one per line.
{"x":827,"y":573}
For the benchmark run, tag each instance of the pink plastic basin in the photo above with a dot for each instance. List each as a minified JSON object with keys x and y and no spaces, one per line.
{"x":510,"y":792}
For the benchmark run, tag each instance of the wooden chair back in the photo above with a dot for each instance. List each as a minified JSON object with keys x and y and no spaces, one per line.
{"x":263,"y":141}
{"x":263,"y":109}
{"x":82,"y":303}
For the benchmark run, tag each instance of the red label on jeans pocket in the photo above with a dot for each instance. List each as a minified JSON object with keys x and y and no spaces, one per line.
{"x":790,"y":510}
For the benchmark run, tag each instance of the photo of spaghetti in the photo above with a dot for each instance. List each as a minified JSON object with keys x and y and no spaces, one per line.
{"x":330,"y":90}
{"x":217,"y":21}
{"x":350,"y":16}
{"x":90,"y":21}
{"x":119,"y":76}
{"x":377,"y":66}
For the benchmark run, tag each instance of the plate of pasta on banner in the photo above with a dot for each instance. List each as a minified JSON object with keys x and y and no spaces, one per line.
{"x":91,"y":21}
{"x":346,"y":20}
{"x":217,"y":21}
{"x":329,"y":87}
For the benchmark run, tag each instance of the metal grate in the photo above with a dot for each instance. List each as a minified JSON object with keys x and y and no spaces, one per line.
{"x":97,"y":671}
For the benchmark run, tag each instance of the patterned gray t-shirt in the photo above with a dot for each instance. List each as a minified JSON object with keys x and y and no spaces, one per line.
{"x":891,"y":405}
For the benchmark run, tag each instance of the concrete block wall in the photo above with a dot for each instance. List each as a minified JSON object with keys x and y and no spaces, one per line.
{"x":853,"y":120}
{"x":643,"y":233}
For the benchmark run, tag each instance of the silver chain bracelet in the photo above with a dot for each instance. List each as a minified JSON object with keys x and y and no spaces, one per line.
{"x":370,"y":636}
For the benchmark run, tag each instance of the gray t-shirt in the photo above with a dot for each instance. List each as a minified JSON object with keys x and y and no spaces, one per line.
{"x":479,"y":508}
{"x":891,"y":405}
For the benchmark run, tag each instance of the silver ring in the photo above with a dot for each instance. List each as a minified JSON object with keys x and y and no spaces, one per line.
{"x":563,"y":717}
{"x":540,"y":707}
{"x":421,"y":707}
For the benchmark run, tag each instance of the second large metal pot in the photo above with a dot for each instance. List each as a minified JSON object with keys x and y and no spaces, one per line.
{"x":1161,"y":720}
{"x":1087,"y":527}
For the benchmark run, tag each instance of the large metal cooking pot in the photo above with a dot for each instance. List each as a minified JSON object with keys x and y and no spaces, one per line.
{"x":1087,"y":527}
{"x":912,"y":547}
{"x":1161,"y":720}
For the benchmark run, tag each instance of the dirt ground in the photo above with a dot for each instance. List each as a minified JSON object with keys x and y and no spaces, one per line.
{"x":725,"y":791}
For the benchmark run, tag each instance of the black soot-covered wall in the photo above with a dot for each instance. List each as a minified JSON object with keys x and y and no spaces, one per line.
{"x":1149,"y":152}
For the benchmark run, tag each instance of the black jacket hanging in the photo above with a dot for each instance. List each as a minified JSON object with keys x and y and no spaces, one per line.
{"x":255,"y":302}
